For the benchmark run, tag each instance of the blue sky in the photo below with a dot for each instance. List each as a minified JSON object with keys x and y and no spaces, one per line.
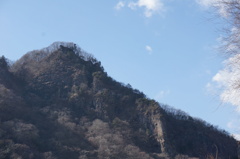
{"x":164,"y":48}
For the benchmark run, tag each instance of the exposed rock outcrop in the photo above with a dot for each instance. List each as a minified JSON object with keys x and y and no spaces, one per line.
{"x":58,"y":103}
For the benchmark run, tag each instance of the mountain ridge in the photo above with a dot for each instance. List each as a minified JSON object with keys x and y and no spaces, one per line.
{"x":64,"y":105}
{"x":46,"y":51}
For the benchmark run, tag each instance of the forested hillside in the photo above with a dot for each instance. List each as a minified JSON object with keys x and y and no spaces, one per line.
{"x":59,"y":103}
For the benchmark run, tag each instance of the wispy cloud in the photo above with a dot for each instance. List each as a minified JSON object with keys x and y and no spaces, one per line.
{"x":211,"y":88}
{"x":214,"y":3}
{"x":149,"y":49}
{"x":227,"y":81}
{"x":150,"y":6}
{"x":234,"y":125}
{"x":160,"y":95}
{"x":206,"y":3}
{"x":208,"y":72}
{"x":119,"y":5}
{"x":237,"y":136}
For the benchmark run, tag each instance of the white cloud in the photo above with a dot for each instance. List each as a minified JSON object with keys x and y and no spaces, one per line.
{"x":208,"y":72}
{"x":234,"y":125}
{"x":160,"y":95}
{"x":214,"y":3}
{"x":119,"y":5}
{"x":228,"y":80}
{"x":210,"y":88}
{"x":151,"y":6}
{"x":205,"y":3}
{"x":149,"y":49}
{"x":232,"y":43}
{"x":236,"y":136}
{"x":229,"y":77}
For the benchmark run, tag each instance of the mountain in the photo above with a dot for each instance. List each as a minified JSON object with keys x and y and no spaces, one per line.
{"x":59,"y":103}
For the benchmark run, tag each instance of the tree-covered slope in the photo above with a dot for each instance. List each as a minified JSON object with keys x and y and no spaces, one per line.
{"x":60,"y":103}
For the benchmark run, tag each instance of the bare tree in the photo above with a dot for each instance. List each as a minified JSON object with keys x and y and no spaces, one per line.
{"x":229,"y":10}
{"x":229,"y":77}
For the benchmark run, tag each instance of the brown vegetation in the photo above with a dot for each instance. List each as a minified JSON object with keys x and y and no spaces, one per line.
{"x":64,"y":106}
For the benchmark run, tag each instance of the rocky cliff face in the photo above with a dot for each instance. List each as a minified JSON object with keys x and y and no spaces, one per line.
{"x":58,"y":103}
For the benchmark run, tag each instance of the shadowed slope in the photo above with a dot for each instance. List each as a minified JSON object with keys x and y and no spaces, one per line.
{"x":68,"y":107}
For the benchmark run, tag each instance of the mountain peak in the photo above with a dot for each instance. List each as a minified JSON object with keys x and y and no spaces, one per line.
{"x":64,"y":105}
{"x":3,"y":62}
{"x":38,"y":55}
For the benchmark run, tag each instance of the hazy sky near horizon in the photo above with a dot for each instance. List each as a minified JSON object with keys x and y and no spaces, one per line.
{"x":164,"y":48}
